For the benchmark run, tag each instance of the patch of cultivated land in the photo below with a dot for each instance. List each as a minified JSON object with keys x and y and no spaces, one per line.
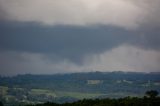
{"x":77,"y":95}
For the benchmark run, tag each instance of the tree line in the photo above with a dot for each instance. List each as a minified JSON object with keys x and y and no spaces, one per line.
{"x":150,"y":99}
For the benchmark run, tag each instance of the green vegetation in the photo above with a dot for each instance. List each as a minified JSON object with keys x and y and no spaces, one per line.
{"x":78,"y":95}
{"x":1,"y":104}
{"x":42,"y":91}
{"x":61,"y":88}
{"x":127,"y":101}
{"x":152,"y":93}
{"x":151,"y":100}
{"x":3,"y":89}
{"x":22,"y":95}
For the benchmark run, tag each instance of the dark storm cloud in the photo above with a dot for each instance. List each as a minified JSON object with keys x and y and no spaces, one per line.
{"x":65,"y":42}
{"x":147,"y":38}
{"x":77,"y":35}
{"x":70,"y":42}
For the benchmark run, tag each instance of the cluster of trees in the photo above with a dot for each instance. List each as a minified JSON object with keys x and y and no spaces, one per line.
{"x":150,"y":99}
{"x":1,"y":104}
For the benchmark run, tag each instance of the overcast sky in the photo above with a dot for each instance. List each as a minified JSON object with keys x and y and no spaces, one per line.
{"x":60,"y":36}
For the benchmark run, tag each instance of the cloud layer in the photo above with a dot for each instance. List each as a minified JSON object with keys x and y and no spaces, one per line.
{"x":59,"y":36}
{"x":122,"y":58}
{"x":36,"y":49}
{"x":122,"y":13}
{"x":70,"y":42}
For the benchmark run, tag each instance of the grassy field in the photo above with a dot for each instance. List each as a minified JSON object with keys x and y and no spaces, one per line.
{"x":50,"y":94}
{"x":77,"y":95}
{"x":56,"y":93}
{"x":3,"y":90}
{"x":43,"y":91}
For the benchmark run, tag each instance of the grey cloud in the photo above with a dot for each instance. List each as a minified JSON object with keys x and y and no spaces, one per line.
{"x":147,"y":39}
{"x":63,"y":42}
{"x":13,"y":63}
{"x":151,"y":12}
{"x":127,"y":58}
{"x":122,"y":58}
{"x":66,"y":35}
{"x":71,"y":42}
{"x":128,"y":14}
{"x":3,"y":14}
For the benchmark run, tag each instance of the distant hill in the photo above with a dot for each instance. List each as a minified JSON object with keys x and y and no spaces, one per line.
{"x":71,"y":87}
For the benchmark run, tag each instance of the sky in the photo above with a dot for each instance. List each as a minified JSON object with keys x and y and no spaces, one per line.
{"x":61,"y":36}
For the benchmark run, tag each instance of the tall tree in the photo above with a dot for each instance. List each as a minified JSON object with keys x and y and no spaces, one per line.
{"x":1,"y":104}
{"x":152,"y":93}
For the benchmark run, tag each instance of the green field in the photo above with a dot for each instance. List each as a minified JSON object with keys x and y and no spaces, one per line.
{"x":42,"y":91}
{"x":21,"y":94}
{"x":35,"y":93}
{"x":3,"y":90}
{"x":77,"y":95}
{"x":76,"y":86}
